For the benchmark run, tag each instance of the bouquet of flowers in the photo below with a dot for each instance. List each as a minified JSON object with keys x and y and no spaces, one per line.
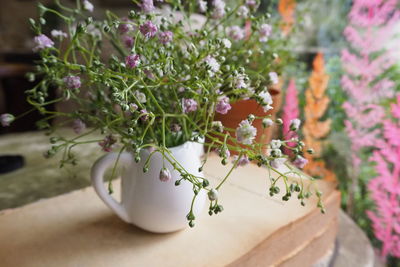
{"x":156,"y":78}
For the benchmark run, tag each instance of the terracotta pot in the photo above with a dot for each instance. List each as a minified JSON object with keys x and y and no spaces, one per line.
{"x":241,"y":109}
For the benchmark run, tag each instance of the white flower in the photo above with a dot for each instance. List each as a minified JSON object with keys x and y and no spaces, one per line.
{"x":273,"y":77}
{"x":267,"y":122}
{"x":265,"y":31}
{"x":275,"y":144}
{"x":246,"y":133}
{"x":219,"y":9}
{"x":295,"y":124}
{"x":277,"y":163}
{"x":212,"y":194}
{"x":236,"y":33}
{"x":58,"y":34}
{"x":239,"y":82}
{"x":266,"y":99}
{"x":88,"y":6}
{"x":212,"y":64}
{"x":202,"y":6}
{"x":140,"y":97}
{"x":243,"y":12}
{"x":226,"y":43}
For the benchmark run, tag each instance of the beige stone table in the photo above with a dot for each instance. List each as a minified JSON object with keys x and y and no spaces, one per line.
{"x":77,"y":229}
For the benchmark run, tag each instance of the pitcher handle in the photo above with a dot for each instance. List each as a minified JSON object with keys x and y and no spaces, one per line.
{"x":97,"y":177}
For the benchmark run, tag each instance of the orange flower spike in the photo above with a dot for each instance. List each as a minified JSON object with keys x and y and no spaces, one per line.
{"x":286,"y":9}
{"x":315,"y":130}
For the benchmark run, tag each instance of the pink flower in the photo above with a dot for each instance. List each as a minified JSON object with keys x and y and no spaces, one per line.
{"x":6,"y":119}
{"x":148,"y":29}
{"x":147,"y":6}
{"x":202,"y":6}
{"x":128,"y":41}
{"x":144,"y":115}
{"x":300,"y":162}
{"x":223,"y":105}
{"x":107,"y":143}
{"x":165,"y":37}
{"x":72,"y":82}
{"x":132,"y":61}
{"x":246,"y":133}
{"x":78,"y":126}
{"x":236,"y":33}
{"x":189,"y":105}
{"x":125,"y":26}
{"x":42,"y":42}
{"x":265,"y":31}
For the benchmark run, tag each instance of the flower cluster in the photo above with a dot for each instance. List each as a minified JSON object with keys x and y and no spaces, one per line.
{"x":164,"y":82}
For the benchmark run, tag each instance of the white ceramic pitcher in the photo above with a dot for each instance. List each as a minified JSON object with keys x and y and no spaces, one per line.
{"x":146,"y":201}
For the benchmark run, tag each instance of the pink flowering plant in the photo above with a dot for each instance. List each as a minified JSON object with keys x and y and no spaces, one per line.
{"x":162,"y":83}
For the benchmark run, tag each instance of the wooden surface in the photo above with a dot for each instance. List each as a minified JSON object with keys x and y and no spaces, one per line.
{"x":77,"y":229}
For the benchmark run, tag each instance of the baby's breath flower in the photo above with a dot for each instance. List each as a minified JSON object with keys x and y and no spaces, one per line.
{"x":244,"y":160}
{"x":202,"y":6}
{"x":58,"y":34}
{"x":294,"y":124}
{"x":72,"y":82}
{"x":212,"y":194}
{"x":189,"y":105}
{"x":266,"y":100}
{"x":78,"y":126}
{"x":128,"y":41}
{"x":226,"y":43}
{"x":132,"y":61}
{"x":144,"y":115}
{"x":217,"y":125}
{"x":141,"y":97}
{"x":273,"y":77}
{"x":246,"y":133}
{"x":6,"y":119}
{"x":265,"y":31}
{"x":275,"y":144}
{"x":108,"y":143}
{"x":239,"y":81}
{"x":165,"y":37}
{"x":88,"y":6}
{"x":148,"y":29}
{"x":147,"y":6}
{"x":42,"y":42}
{"x":223,"y":105}
{"x":236,"y":33}
{"x":165,"y":175}
{"x":243,"y":12}
{"x":125,"y":26}
{"x":219,"y":9}
{"x":277,"y":163}
{"x":267,"y":122}
{"x":300,"y":162}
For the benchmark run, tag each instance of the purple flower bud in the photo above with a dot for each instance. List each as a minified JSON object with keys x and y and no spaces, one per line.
{"x":165,"y":37}
{"x":128,"y":41}
{"x":107,"y":143}
{"x":144,"y":115}
{"x":72,"y":82}
{"x":149,"y":74}
{"x":42,"y":42}
{"x":132,"y":61}
{"x":223,"y":105}
{"x":189,"y":105}
{"x":78,"y":126}
{"x":148,"y":29}
{"x":133,"y":107}
{"x":300,"y":162}
{"x":6,"y":119}
{"x":147,"y":6}
{"x":165,"y":175}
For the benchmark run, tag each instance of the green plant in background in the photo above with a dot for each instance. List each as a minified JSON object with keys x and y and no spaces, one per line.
{"x":156,"y":78}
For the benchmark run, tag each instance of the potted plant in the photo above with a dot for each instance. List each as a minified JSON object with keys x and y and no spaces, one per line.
{"x":153,"y":98}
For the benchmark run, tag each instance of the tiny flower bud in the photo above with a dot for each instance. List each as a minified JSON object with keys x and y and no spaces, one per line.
{"x":267,"y":122}
{"x":295,"y":124}
{"x":212,"y":194}
{"x":251,"y":117}
{"x":165,"y":175}
{"x":279,"y":121}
